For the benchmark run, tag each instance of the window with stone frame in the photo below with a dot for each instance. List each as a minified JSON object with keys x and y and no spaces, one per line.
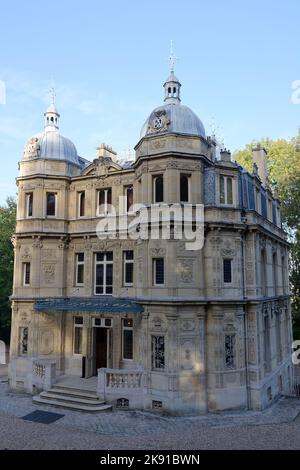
{"x":129,"y":198}
{"x":226,"y":190}
{"x":230,"y":351}
{"x":23,"y":341}
{"x":79,"y":274}
{"x":81,"y":203}
{"x":29,"y":204}
{"x":158,"y":188}
{"x":158,"y":352}
{"x":127,"y":325}
{"x":78,"y":332}
{"x":26,"y":274}
{"x":104,"y":201}
{"x":104,"y":273}
{"x":51,"y":204}
{"x":185,"y":188}
{"x":128,"y":267}
{"x":227,"y":270}
{"x":158,"y":271}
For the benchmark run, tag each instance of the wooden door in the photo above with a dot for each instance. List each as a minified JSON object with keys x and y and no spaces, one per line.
{"x":101,"y":347}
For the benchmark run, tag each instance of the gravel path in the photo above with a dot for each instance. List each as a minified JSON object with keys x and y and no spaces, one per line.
{"x":276,"y":428}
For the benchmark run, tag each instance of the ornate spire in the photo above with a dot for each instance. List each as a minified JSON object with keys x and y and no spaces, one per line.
{"x":172,"y":59}
{"x":172,"y":84}
{"x":52,"y":115}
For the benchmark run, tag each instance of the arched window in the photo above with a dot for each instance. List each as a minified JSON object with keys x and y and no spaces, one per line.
{"x":158,"y":188}
{"x":52,"y":120}
{"x":169,"y":90}
{"x":184,"y":188}
{"x":174,"y":89}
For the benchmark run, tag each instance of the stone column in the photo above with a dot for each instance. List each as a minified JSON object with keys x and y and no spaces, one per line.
{"x":172,"y":347}
{"x":201,"y":358}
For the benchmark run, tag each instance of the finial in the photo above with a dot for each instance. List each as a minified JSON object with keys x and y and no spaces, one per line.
{"x":172,"y":58}
{"x":52,"y":95}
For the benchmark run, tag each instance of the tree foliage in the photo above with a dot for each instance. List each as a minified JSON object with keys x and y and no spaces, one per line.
{"x":7,"y":228}
{"x":284,"y":175}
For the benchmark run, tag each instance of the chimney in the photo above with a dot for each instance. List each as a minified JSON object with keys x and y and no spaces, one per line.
{"x":259,"y":156}
{"x":105,"y":151}
{"x":225,"y":155}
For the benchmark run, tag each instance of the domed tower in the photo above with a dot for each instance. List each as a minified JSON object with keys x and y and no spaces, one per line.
{"x":41,"y":239}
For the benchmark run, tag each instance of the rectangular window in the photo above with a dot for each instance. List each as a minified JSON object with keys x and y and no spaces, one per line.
{"x":226,"y":192}
{"x":29,"y":204}
{"x":227,"y":272}
{"x":158,"y":352}
{"x":129,"y":197}
{"x":79,"y":269}
{"x":158,"y":271}
{"x":104,"y":273}
{"x":127,"y":339}
{"x":78,"y":327}
{"x":270,"y":212}
{"x":81,"y":204}
{"x":263,"y":272}
{"x":258,"y":201}
{"x":51,"y":204}
{"x":23,"y":341}
{"x":104,"y":202}
{"x":230,"y":351}
{"x":158,"y":188}
{"x":184,"y":188}
{"x":128,"y":267}
{"x":26,"y":274}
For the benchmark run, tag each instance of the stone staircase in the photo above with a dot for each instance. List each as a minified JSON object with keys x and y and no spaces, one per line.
{"x":71,"y":398}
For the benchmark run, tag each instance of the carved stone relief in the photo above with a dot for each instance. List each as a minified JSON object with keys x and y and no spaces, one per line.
{"x":186,"y":270}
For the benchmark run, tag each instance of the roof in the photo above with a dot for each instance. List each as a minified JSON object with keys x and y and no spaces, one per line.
{"x":105,"y":304}
{"x":179,"y":119}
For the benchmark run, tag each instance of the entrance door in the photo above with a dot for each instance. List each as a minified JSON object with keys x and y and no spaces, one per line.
{"x":100,"y":347}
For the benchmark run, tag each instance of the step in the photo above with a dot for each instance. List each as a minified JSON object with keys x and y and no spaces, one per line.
{"x":74,"y":392}
{"x":71,"y":406}
{"x":70,"y":398}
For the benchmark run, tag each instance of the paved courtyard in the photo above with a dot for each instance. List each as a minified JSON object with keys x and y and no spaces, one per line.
{"x":276,"y":428}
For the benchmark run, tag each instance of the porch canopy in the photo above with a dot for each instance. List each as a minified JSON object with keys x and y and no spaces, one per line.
{"x":105,"y":304}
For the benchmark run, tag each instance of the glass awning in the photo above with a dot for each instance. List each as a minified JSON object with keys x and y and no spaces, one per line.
{"x":105,"y":304}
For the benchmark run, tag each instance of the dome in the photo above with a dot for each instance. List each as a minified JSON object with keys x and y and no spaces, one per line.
{"x":57,"y":147}
{"x":173,"y":118}
{"x":51,"y":145}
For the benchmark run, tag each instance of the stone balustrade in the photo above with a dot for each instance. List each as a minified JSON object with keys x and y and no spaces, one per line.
{"x":116,"y":384}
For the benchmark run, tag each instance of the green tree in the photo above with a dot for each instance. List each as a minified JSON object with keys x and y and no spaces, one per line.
{"x":284,"y":175}
{"x":7,"y":228}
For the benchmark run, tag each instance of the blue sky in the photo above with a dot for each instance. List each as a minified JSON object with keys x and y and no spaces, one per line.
{"x":108,"y":59}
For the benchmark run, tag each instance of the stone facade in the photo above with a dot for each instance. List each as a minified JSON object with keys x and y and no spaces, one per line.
{"x":214,"y":335}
